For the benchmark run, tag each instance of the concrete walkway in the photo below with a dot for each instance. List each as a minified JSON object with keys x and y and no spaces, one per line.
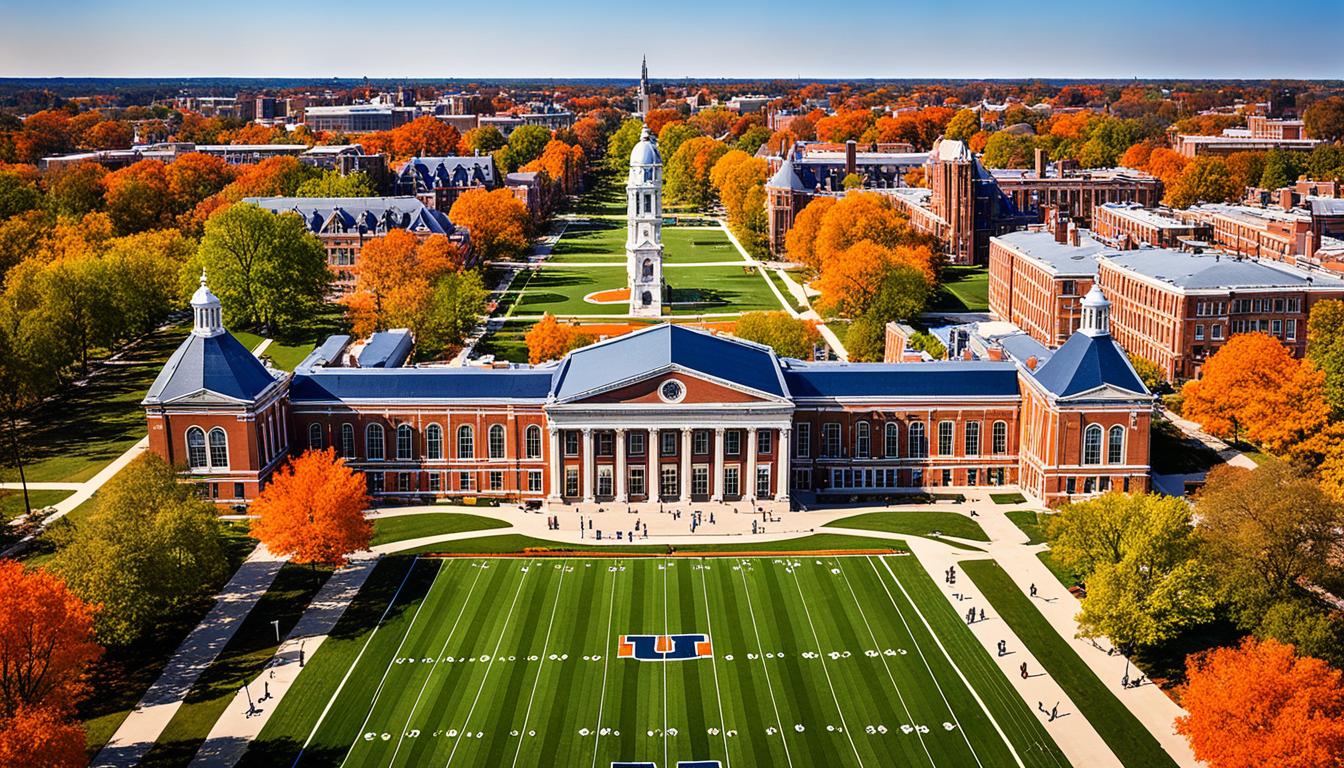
{"x":1193,"y":430}
{"x":143,"y":726}
{"x":240,"y":723}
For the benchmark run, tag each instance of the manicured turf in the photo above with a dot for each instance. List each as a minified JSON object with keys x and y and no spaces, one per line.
{"x":1008,"y":498}
{"x":11,"y":501}
{"x":1061,"y":572}
{"x":916,"y":523}
{"x":694,"y":290}
{"x":1031,"y":522}
{"x":964,"y":289}
{"x":286,"y":357}
{"x":403,"y":527}
{"x":831,"y":661}
{"x":509,"y":543}
{"x":1126,"y":736}
{"x":718,"y":289}
{"x":560,"y":291}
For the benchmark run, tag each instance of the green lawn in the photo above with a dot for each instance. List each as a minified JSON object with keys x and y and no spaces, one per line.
{"x":718,"y":289}
{"x":1061,"y":572}
{"x":403,"y":527}
{"x":693,"y":290}
{"x":1122,"y":732}
{"x":816,"y":661}
{"x":1008,"y":498}
{"x":76,"y":434}
{"x":560,"y":291}
{"x":11,"y":501}
{"x":242,"y":659}
{"x":605,"y":198}
{"x":605,"y":242}
{"x":916,"y":523}
{"x":964,"y":289}
{"x":513,"y":543}
{"x":1031,"y":522}
{"x":507,"y":343}
{"x":286,"y":357}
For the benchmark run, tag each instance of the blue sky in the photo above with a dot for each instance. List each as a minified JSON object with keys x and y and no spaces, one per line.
{"x":691,"y":38}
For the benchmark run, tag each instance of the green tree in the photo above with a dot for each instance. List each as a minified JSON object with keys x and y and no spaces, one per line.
{"x":621,"y":142}
{"x":927,"y":342}
{"x":484,"y":140}
{"x":1204,"y":180}
{"x":852,"y":181}
{"x":1007,"y":150}
{"x":1281,"y":169}
{"x":336,"y":184}
{"x":1326,"y":162}
{"x":789,"y":336}
{"x":17,"y":195}
{"x":963,"y":125}
{"x":753,"y":138}
{"x":1325,"y":348}
{"x":267,"y":269}
{"x":527,"y":142}
{"x":672,"y":136}
{"x":1306,"y":624}
{"x":150,"y":548}
{"x":1137,"y":556}
{"x":453,"y":309}
{"x":1151,"y":375}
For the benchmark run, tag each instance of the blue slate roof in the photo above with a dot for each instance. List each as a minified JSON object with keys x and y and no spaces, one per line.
{"x":386,"y":349}
{"x":1087,"y":362}
{"x":218,"y":364}
{"x":937,"y":379}
{"x":359,"y":214}
{"x":421,"y":384}
{"x":642,"y":353}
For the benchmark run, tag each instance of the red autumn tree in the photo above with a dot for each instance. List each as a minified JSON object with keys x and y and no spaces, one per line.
{"x":497,"y":221}
{"x":313,"y":510}
{"x":46,"y":648}
{"x":1261,"y":705}
{"x":549,"y":340}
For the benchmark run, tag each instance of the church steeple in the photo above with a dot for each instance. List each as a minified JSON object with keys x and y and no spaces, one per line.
{"x":644,"y":227}
{"x":206,"y":309}
{"x":642,"y":99}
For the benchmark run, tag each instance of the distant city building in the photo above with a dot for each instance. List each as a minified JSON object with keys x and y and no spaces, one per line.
{"x":552,"y":119}
{"x":1226,"y":144}
{"x":346,"y":159}
{"x":357,"y":118}
{"x":1126,"y":226}
{"x":438,"y":181}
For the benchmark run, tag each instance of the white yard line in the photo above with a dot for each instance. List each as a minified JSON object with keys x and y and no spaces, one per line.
{"x":508,"y":619}
{"x":337,"y":693}
{"x":760,"y":654}
{"x":909,"y":716}
{"x":390,"y":663}
{"x":974,"y":694}
{"x":606,"y":658}
{"x":821,"y":654}
{"x":443,"y":649}
{"x":713,"y":661}
{"x":545,"y":645}
{"x":665,"y":744}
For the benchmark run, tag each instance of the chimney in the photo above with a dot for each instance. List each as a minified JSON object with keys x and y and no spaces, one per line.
{"x":1286,"y":198}
{"x":1058,"y":226}
{"x":851,"y":157}
{"x":1075,"y":237}
{"x":1040,"y":163}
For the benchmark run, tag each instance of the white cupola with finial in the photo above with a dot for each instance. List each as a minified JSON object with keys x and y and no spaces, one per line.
{"x":1096,"y":313}
{"x":208,"y":313}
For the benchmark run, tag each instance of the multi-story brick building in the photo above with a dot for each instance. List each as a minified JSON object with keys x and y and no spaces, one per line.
{"x":438,"y":181}
{"x":1077,"y":193}
{"x":1037,"y":280}
{"x":1126,"y":226}
{"x":1257,"y":232}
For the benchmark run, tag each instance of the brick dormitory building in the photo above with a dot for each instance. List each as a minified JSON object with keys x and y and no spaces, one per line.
{"x":667,"y":414}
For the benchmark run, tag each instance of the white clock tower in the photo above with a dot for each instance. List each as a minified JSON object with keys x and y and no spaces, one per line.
{"x":644,"y":229}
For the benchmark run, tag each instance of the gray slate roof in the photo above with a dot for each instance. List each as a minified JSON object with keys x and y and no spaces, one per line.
{"x":360,"y":214}
{"x":1207,"y":271}
{"x":1060,"y":258}
{"x":786,"y":178}
{"x":216,"y":364}
{"x":421,"y":384}
{"x":1085,"y":363}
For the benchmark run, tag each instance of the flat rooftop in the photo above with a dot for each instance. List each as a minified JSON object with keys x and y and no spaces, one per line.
{"x":1058,"y":258}
{"x":1216,"y":272}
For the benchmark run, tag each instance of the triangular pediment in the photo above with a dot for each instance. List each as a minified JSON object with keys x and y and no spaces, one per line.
{"x":1108,"y":392}
{"x":673,"y":386}
{"x":204,"y":397}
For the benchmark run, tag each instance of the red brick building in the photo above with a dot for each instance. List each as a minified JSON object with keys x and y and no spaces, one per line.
{"x":1037,"y":280}
{"x":1126,"y":226}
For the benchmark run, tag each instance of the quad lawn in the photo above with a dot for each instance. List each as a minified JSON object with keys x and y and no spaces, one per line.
{"x":11,"y":501}
{"x":286,"y":357}
{"x":560,"y":291}
{"x":964,"y":289}
{"x":1031,"y":522}
{"x":718,"y":289}
{"x":605,"y":242}
{"x":916,"y":523}
{"x":507,"y":343}
{"x":404,"y":527}
{"x":807,"y":660}
{"x":693,"y":290}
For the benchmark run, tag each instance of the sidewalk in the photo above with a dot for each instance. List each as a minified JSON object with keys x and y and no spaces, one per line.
{"x":138,"y":732}
{"x":1225,"y":452}
{"x":235,"y":729}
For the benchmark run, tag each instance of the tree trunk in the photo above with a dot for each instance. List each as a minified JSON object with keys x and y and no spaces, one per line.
{"x":18,"y":462}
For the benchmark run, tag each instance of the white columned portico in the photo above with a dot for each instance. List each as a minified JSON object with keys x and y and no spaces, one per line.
{"x":586,"y":465}
{"x":653,"y":483}
{"x":783,"y":448}
{"x":749,"y":482}
{"x":718,"y":465}
{"x":684,"y":481}
{"x":621,"y":496}
{"x":557,"y":482}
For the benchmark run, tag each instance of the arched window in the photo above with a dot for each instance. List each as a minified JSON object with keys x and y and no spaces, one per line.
{"x":373,"y":442}
{"x":219,"y":448}
{"x":648,"y":269}
{"x":918,"y":444}
{"x":496,"y":441}
{"x":405,"y":442}
{"x":466,"y":445}
{"x":892,"y":448}
{"x":972,"y":438}
{"x":945,"y":433}
{"x":999,"y":437}
{"x":533,"y":442}
{"x":196,"y":448}
{"x":315,"y":436}
{"x":348,"y":441}
{"x":862,"y":440}
{"x":434,"y":442}
{"x":1115,"y":445}
{"x":1092,"y":444}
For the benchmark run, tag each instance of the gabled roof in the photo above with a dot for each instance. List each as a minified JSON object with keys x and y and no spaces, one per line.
{"x":217,"y":365}
{"x":359,"y":214}
{"x":634,"y":356}
{"x":896,"y":380}
{"x":786,"y":178}
{"x":1086,"y":363}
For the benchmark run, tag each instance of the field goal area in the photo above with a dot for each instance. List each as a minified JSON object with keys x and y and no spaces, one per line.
{"x":666,"y":662}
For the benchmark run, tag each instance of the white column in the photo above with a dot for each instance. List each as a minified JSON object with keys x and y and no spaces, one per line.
{"x":685,"y":478}
{"x":557,"y":480}
{"x":652,"y":483}
{"x":750,"y":480}
{"x":621,"y":497}
{"x":718,"y":465}
{"x":586,"y":465}
{"x":783,"y":448}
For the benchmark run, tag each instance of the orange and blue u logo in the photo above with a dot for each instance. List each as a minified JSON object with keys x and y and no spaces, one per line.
{"x":664,"y":647}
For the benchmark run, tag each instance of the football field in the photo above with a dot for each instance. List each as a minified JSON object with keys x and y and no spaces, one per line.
{"x":788,"y":661}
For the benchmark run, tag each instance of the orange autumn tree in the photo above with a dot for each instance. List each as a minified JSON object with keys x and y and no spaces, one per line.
{"x":313,"y":510}
{"x":394,"y":275}
{"x":497,"y":221}
{"x":549,"y":340}
{"x":852,"y":278}
{"x":800,"y":242}
{"x":46,"y":648}
{"x":1262,"y":705}
{"x":1254,"y":387}
{"x":869,"y":216}
{"x":425,"y":136}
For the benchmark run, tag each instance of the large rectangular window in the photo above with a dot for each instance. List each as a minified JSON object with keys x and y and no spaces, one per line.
{"x":763,"y":481}
{"x":830,"y":439}
{"x":571,"y":481}
{"x":763,"y":440}
{"x":635,"y":481}
{"x":972,"y":439}
{"x":669,"y":487}
{"x":732,"y":442}
{"x":604,"y":480}
{"x":534,"y":481}
{"x":669,"y":440}
{"x":700,"y":480}
{"x":700,"y":442}
{"x":945,"y":432}
{"x":635,"y":441}
{"x":803,"y":440}
{"x":571,"y":443}
{"x":731,"y":482}
{"x":606,"y":444}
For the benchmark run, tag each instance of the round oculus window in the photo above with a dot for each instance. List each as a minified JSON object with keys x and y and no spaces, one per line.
{"x":671,"y":391}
